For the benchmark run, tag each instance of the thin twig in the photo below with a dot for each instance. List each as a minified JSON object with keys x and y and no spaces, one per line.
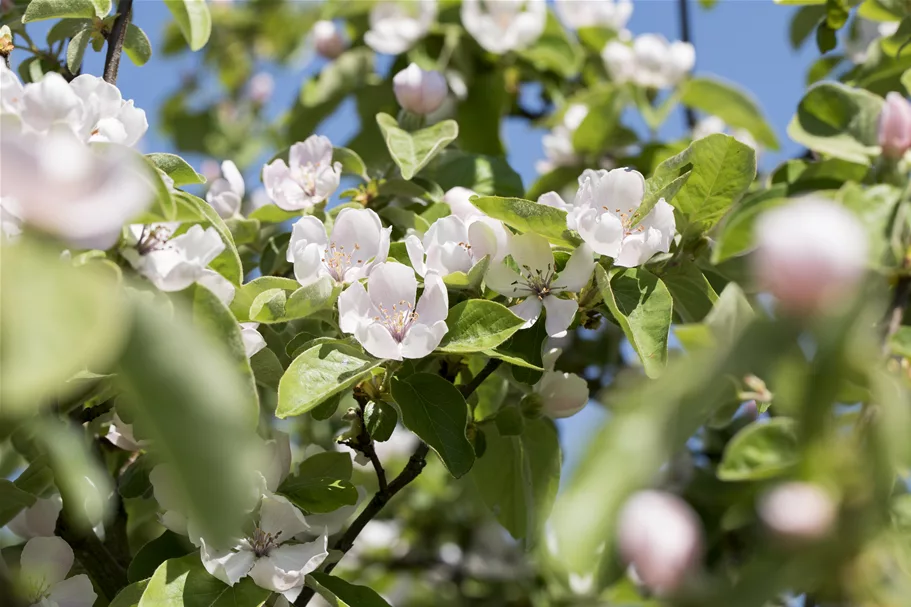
{"x":115,"y":41}
{"x":492,"y":365}
{"x":370,"y":452}
{"x":683,"y":7}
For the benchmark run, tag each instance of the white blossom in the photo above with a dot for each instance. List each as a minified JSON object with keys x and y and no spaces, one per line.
{"x":106,"y":116}
{"x":10,"y":221}
{"x":44,"y":565}
{"x":79,"y":194}
{"x":562,"y":394}
{"x":175,"y":263}
{"x":11,"y":91}
{"x":396,"y":25}
{"x":458,"y":199}
{"x":895,"y":126}
{"x":651,"y":62}
{"x":419,"y":91}
{"x":261,"y":87}
{"x":798,"y":510}
{"x":810,"y":254}
{"x":558,"y":144}
{"x":120,"y":434}
{"x":358,"y":243}
{"x":451,"y":245}
{"x":384,"y":318}
{"x":605,"y":212}
{"x":539,"y":283}
{"x":39,"y":519}
{"x":252,"y":338}
{"x":711,"y":125}
{"x":220,"y":286}
{"x":612,"y":14}
{"x":501,"y":26}
{"x":226,"y":193}
{"x":328,"y":38}
{"x":308,"y":178}
{"x":661,"y":537}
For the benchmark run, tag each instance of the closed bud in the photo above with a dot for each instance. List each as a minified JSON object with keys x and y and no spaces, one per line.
{"x":798,"y":511}
{"x":895,"y":126}
{"x":661,"y":537}
{"x":811,"y":253}
{"x":328,"y":39}
{"x":419,"y":91}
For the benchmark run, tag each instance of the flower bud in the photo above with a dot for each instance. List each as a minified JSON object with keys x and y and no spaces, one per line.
{"x":895,"y":126}
{"x":419,"y":91}
{"x":261,"y":87}
{"x":328,"y":39}
{"x":6,"y":41}
{"x":811,"y":253}
{"x":661,"y":537}
{"x":797,"y":510}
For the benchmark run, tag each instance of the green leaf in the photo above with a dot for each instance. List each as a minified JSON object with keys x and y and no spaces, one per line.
{"x":350,"y":594}
{"x":244,"y":231}
{"x":804,"y":23}
{"x":528,"y":216}
{"x":477,"y":324}
{"x":721,"y":170}
{"x":246,"y":294}
{"x":271,"y":213}
{"x":176,"y":168}
{"x":435,"y":410}
{"x":12,"y":501}
{"x":601,"y":129}
{"x":184,"y":582}
{"x":736,"y":232}
{"x":318,"y":494}
{"x":327,"y":464}
{"x":510,"y":421}
{"x":39,"y":10}
{"x":900,"y":342}
{"x":67,"y":28}
{"x":761,"y":450}
{"x":730,"y":103}
{"x":166,"y":546}
{"x":75,"y":49}
{"x":380,"y":420}
{"x":480,"y":114}
{"x":228,"y":262}
{"x":642,"y":305}
{"x":267,"y":369}
{"x":320,"y":372}
{"x":137,"y":45}
{"x":351,"y":162}
{"x":839,"y":121}
{"x":275,"y":305}
{"x":553,"y":181}
{"x":825,"y":38}
{"x":731,"y":314}
{"x":102,"y":7}
{"x":518,"y":476}
{"x":130,"y":596}
{"x":486,"y":175}
{"x":553,"y":51}
{"x":523,"y":350}
{"x":906,"y":80}
{"x":412,"y":151}
{"x":193,"y":19}
{"x":693,"y":294}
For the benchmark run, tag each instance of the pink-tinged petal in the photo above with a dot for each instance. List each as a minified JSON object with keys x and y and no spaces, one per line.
{"x":306,"y":231}
{"x":505,"y":281}
{"x":355,"y":308}
{"x":560,"y":314}
{"x":46,"y":560}
{"x":434,"y":304}
{"x":316,"y":149}
{"x":578,"y":270}
{"x":529,"y":309}
{"x":602,"y":231}
{"x":423,"y":339}
{"x":531,"y":252}
{"x":278,"y":515}
{"x":229,"y":566}
{"x":562,"y":394}
{"x":74,"y":592}
{"x":416,"y":254}
{"x":392,"y":284}
{"x":444,"y":259}
{"x":378,"y":341}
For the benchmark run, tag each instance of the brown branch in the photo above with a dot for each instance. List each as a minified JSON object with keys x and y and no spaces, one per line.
{"x":370,"y":452}
{"x":103,"y":568}
{"x":115,"y":41}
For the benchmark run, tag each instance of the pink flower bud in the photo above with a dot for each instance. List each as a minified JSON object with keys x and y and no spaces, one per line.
{"x":895,"y":126}
{"x":418,"y":91}
{"x":328,"y":39}
{"x":811,"y":253}
{"x":796,"y":510}
{"x":261,"y":87}
{"x":661,"y":537}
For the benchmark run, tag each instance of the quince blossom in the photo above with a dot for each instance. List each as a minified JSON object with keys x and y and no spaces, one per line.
{"x":307,"y":179}
{"x":173,"y":264}
{"x":252,"y":338}
{"x":396,"y":25}
{"x":227,"y":191}
{"x":39,"y":519}
{"x":384,"y":318}
{"x":501,"y":26}
{"x":459,"y":201}
{"x":539,"y":283}
{"x":650,"y":62}
{"x":562,"y":394}
{"x":451,"y":245}
{"x":44,"y":564}
{"x":612,"y":14}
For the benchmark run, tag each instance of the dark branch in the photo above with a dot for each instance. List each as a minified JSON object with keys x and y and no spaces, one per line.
{"x":370,"y":452}
{"x":492,"y":365}
{"x":900,"y":300}
{"x":684,"y":14}
{"x":103,"y":568}
{"x":115,"y":40}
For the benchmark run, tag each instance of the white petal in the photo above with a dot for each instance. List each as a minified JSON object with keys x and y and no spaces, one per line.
{"x":392,"y":284}
{"x":305,"y":231}
{"x":529,"y":309}
{"x":229,"y":566}
{"x":285,"y":566}
{"x":39,"y":519}
{"x":483,"y":240}
{"x":46,"y":560}
{"x":74,"y":592}
{"x":563,"y":394}
{"x":552,"y":199}
{"x":308,"y":264}
{"x":278,"y":515}
{"x":532,"y":252}
{"x":602,"y":231}
{"x":550,"y":357}
{"x":434,"y":304}
{"x":378,"y":341}
{"x":278,"y":460}
{"x":218,"y":284}
{"x":505,"y":281}
{"x":560,"y":313}
{"x":578,"y":270}
{"x":415,"y":253}
{"x":253,"y":340}
{"x":233,"y":176}
{"x":423,"y":339}
{"x":355,"y":308}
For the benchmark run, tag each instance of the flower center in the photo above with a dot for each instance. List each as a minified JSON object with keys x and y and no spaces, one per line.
{"x":628,"y":219}
{"x":153,"y":239}
{"x":338,"y":261}
{"x":37,"y":589}
{"x":538,"y":282}
{"x":398,"y":320}
{"x":305,"y":176}
{"x":262,"y":543}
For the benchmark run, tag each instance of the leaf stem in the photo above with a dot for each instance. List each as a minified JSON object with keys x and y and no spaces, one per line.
{"x":115,"y":41}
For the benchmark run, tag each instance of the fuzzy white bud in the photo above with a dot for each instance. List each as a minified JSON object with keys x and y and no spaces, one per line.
{"x":798,"y":511}
{"x":418,"y":91}
{"x":328,"y":39}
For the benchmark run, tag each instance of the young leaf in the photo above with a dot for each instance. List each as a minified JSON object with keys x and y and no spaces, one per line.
{"x":528,"y":216}
{"x":75,"y":49}
{"x":761,"y":450}
{"x":435,"y":410}
{"x":412,"y":151}
{"x":177,"y":169}
{"x":137,"y":45}
{"x":352,"y":164}
{"x":246,"y":295}
{"x":477,"y":324}
{"x":39,"y":10}
{"x":731,"y":104}
{"x":348,"y":593}
{"x":184,"y":582}
{"x":193,"y":19}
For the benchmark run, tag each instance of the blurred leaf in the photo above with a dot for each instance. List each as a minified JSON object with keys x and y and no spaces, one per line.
{"x":130,"y":596}
{"x":318,"y":494}
{"x":176,"y":168}
{"x":509,"y":421}
{"x":184,"y":582}
{"x":825,"y":38}
{"x":822,"y":67}
{"x":736,"y":234}
{"x":731,"y":314}
{"x":900,"y":342}
{"x":518,"y":476}
{"x":553,"y":51}
{"x":761,"y":450}
{"x":243,"y":231}
{"x":166,"y":546}
{"x":351,"y":162}
{"x":554,"y":181}
{"x":246,"y":294}
{"x":137,"y":45}
{"x":480,"y":113}
{"x":275,"y":305}
{"x":642,"y":305}
{"x":839,"y":121}
{"x":412,"y":151}
{"x":39,"y":10}
{"x":349,"y":594}
{"x":322,"y":371}
{"x":193,"y":19}
{"x":476,"y":325}
{"x":730,"y":103}
{"x":600,"y":129}
{"x":528,"y":216}
{"x":267,"y":369}
{"x":435,"y":410}
{"x":486,"y":175}
{"x":12,"y":501}
{"x":271,"y":213}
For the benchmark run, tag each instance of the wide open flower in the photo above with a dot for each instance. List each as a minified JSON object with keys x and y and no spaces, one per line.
{"x":358,"y":243}
{"x":606,"y":209}
{"x":539,"y":283}
{"x":651,"y":62}
{"x":562,"y":394}
{"x":384,"y":318}
{"x":227,"y":191}
{"x":308,"y":178}
{"x":268,"y":553}
{"x":81,"y":194}
{"x":451,"y":245}
{"x":44,"y":563}
{"x":501,"y":26}
{"x":612,"y":14}
{"x":106,"y":116}
{"x":173,"y":264}
{"x":39,"y":519}
{"x":395,"y":26}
